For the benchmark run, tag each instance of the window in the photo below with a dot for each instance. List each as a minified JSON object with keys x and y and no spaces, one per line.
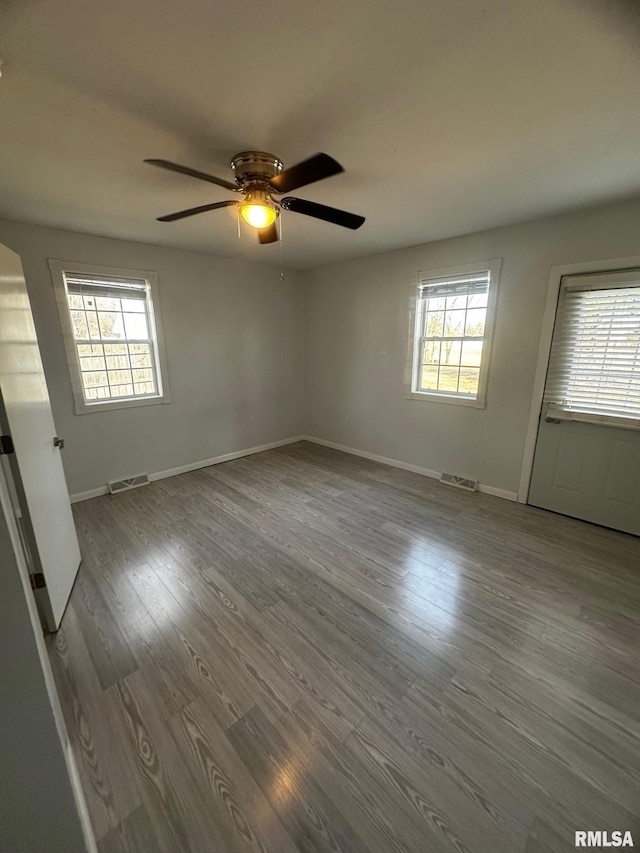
{"x":112,"y":336}
{"x":594,"y":367}
{"x":451,"y":334}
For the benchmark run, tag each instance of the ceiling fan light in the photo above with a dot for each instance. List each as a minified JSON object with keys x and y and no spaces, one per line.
{"x":258,"y":215}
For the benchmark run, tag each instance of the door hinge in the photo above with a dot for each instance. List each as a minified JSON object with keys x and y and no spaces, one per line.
{"x":6,"y":445}
{"x":37,"y":581}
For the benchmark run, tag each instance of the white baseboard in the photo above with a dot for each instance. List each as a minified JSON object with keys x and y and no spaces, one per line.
{"x":406,"y":466}
{"x":226,"y":457}
{"x":191,"y":466}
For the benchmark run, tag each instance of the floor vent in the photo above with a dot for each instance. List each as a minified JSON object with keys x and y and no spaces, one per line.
{"x":116,"y":486}
{"x":459,"y":482}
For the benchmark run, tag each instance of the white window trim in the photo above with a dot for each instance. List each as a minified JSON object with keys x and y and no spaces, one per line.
{"x":480,"y":400}
{"x":58,"y":269}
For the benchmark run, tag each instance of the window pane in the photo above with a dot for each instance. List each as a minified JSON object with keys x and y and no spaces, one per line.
{"x":469,"y":377}
{"x":110,"y":324}
{"x":106,"y":303}
{"x":92,"y":362}
{"x":436,"y":303}
{"x":122,"y":390}
{"x":136,"y":326}
{"x":145,"y":388}
{"x":75,"y":301}
{"x":116,"y":362}
{"x":115,"y":349}
{"x":89,"y":349}
{"x":119,"y":377}
{"x":431,"y":353}
{"x":454,"y":323}
{"x":448,"y":379}
{"x":99,"y":393}
{"x":471,"y":353}
{"x":142,"y":375}
{"x":92,"y":322}
{"x":479,"y":300}
{"x":97,"y":377}
{"x":450,"y":352}
{"x":456,"y":302}
{"x":429,"y":378}
{"x":79,"y":321}
{"x":475,"y":322}
{"x":434,"y":324}
{"x":140,"y":359}
{"x":134,"y":305}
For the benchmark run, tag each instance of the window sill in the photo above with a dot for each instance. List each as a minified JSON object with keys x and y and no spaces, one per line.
{"x":83,"y":408}
{"x":430,"y":397}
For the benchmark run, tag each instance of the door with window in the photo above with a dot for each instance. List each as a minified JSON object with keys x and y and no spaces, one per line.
{"x":587,"y":459}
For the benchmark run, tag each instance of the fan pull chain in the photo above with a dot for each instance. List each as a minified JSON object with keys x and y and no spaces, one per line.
{"x":281,"y":251}
{"x":238,"y":218}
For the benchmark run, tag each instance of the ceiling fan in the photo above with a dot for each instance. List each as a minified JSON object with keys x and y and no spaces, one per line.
{"x":258,"y":177}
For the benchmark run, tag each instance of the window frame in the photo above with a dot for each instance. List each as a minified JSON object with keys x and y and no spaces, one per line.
{"x":61,"y":268}
{"x":412,"y":392}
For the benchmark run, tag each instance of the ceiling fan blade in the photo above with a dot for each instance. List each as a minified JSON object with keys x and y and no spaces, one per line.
{"x":309,"y":171}
{"x":192,"y":211}
{"x":322,"y":211}
{"x":269,"y":234}
{"x":185,"y":170}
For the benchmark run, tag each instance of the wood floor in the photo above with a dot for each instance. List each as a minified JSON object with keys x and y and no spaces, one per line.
{"x":302,"y":650}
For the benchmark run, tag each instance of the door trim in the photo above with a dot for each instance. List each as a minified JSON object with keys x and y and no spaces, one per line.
{"x":556,"y":273}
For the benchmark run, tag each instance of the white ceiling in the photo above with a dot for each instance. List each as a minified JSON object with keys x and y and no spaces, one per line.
{"x":449,"y":116}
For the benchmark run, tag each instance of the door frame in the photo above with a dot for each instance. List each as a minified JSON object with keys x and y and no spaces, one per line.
{"x":16,"y":561}
{"x":556,"y":274}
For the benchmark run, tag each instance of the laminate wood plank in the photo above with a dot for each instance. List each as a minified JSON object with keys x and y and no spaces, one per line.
{"x":429,"y":795}
{"x":240,"y":810}
{"x":588,"y":746}
{"x":239,"y":656}
{"x":134,"y":834}
{"x":305,"y":809}
{"x":196,"y":652}
{"x":108,"y":649}
{"x":305,"y":650}
{"x":296,"y":655}
{"x":561,"y":743}
{"x":533,"y":762}
{"x":109,"y":785}
{"x":362,"y":799}
{"x":544,"y":839}
{"x":174,"y":801}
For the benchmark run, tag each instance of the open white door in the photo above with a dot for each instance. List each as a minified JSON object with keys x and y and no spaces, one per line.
{"x":47,"y":522}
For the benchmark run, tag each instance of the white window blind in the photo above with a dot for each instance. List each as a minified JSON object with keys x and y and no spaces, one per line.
{"x":595,"y":358}
{"x":451,"y":334}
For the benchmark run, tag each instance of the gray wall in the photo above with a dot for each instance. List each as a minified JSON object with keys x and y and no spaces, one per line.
{"x":233,"y":336}
{"x":37,"y":808}
{"x":356,"y":333}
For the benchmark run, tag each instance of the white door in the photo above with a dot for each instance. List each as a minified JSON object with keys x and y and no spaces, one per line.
{"x":41,"y":488}
{"x":587,"y":459}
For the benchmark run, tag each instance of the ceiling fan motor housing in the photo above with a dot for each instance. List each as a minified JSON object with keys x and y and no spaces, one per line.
{"x":253,"y":168}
